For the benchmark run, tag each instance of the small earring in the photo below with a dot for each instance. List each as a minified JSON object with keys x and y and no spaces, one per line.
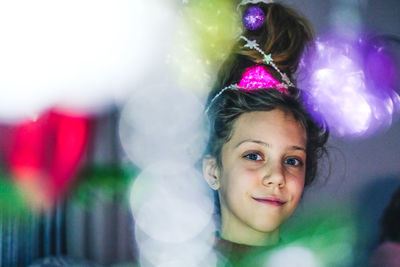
{"x":214,"y":184}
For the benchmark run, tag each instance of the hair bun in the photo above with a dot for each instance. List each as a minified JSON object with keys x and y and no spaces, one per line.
{"x":284,"y":34}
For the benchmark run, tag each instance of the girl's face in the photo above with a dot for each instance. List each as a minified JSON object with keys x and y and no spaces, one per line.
{"x":262,"y":176}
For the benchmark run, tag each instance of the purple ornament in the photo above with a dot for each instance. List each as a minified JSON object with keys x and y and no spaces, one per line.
{"x":253,"y":18}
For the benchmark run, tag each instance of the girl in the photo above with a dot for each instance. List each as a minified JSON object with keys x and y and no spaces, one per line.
{"x":263,"y":146}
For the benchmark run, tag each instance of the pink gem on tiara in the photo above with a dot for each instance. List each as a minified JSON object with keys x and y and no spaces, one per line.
{"x":258,"y":77}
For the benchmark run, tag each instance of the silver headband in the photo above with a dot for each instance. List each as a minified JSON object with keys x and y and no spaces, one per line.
{"x":245,"y":2}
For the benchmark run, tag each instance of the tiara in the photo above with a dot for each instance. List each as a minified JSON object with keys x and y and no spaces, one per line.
{"x":257,"y":76}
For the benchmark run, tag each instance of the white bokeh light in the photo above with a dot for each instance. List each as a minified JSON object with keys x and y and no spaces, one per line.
{"x":337,"y":100}
{"x":293,"y":256}
{"x":188,"y":253}
{"x":170,"y":202}
{"x":81,"y":54}
{"x":162,"y":122}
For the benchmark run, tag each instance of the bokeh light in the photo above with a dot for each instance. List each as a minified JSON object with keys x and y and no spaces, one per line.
{"x":188,"y":253}
{"x":170,"y":202}
{"x":162,"y":122}
{"x":206,"y":31}
{"x":12,"y":201}
{"x":328,"y":230}
{"x":173,"y":211}
{"x":325,"y":235}
{"x":42,"y":156}
{"x":83,"y":54}
{"x":293,"y":256}
{"x":342,"y":91}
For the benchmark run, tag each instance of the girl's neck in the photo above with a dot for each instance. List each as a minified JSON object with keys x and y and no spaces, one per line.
{"x":248,"y":236}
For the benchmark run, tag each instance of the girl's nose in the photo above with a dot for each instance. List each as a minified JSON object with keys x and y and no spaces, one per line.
{"x":274,"y":175}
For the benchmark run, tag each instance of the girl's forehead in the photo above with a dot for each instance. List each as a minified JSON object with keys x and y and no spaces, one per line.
{"x":269,"y":126}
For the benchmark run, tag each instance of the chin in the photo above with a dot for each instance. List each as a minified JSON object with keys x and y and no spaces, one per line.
{"x":266,"y":226}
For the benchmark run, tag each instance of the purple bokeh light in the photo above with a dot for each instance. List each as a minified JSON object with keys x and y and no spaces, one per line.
{"x":350,"y":85}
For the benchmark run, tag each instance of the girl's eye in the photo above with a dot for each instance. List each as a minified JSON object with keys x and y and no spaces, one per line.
{"x":253,"y":156}
{"x":293,"y":162}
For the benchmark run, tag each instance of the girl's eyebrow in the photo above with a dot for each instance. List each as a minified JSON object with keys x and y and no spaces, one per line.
{"x":266,"y":144}
{"x":298,"y":148}
{"x":252,"y":141}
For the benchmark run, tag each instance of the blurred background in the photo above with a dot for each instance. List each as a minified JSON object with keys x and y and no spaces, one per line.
{"x":101,"y":127}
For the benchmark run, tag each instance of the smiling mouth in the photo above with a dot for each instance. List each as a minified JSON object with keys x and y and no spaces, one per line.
{"x":270,"y":201}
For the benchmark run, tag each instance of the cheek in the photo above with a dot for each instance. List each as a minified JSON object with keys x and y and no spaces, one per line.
{"x":296,"y":187}
{"x":237,"y":182}
{"x":239,"y":177}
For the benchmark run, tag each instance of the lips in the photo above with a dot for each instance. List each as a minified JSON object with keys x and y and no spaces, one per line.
{"x":273,"y":201}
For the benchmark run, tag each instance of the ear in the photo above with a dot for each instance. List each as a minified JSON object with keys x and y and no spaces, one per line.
{"x":211,"y":172}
